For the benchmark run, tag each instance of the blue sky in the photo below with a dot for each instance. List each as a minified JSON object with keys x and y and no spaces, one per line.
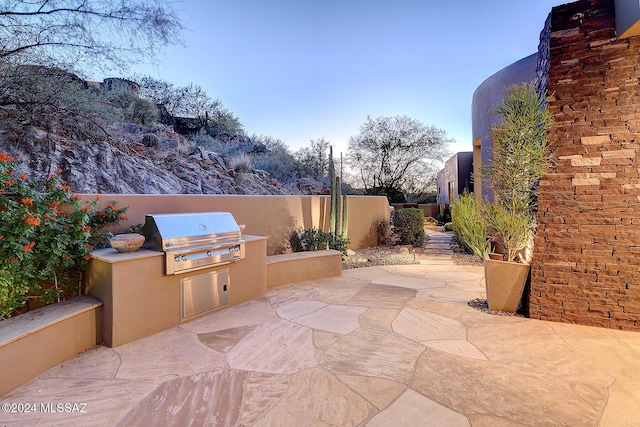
{"x":302,"y":70}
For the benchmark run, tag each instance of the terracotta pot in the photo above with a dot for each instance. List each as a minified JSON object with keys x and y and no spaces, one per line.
{"x":504,"y":282}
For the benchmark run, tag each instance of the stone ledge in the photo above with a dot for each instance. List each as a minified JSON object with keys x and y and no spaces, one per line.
{"x":302,"y":266}
{"x":14,"y":328}
{"x":34,"y":342}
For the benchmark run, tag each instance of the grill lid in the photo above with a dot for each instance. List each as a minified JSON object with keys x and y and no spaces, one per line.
{"x":166,"y":232}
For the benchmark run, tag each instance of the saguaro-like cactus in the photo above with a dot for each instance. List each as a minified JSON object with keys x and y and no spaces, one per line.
{"x":339,"y":215}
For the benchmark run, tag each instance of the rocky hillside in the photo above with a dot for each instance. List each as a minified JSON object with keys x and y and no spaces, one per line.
{"x":132,"y":159}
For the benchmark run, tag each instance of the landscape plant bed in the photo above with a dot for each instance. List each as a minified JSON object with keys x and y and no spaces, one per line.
{"x":395,"y":255}
{"x":379,"y":255}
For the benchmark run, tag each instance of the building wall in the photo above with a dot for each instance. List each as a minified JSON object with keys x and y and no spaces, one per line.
{"x":465,"y":172}
{"x":455,"y":177}
{"x":274,"y":217}
{"x":627,"y":18}
{"x":586,"y":266}
{"x":485,"y":98}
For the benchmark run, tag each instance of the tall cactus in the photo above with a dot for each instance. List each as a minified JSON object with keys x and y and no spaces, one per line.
{"x":339,"y":215}
{"x":332,"y":208}
{"x":345,"y":217}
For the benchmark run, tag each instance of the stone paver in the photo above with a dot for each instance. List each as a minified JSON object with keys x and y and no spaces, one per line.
{"x":412,"y":406}
{"x":393,"y":345}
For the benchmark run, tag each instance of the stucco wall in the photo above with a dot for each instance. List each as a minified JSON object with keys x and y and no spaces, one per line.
{"x":485,"y":98}
{"x":457,"y":170}
{"x":272,"y":216}
{"x":627,"y":17}
{"x":586,"y":266}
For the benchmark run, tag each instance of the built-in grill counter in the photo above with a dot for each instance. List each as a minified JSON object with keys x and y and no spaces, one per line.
{"x":191,"y":264}
{"x":193,"y":241}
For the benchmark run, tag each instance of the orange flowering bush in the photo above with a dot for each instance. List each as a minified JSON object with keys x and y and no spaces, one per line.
{"x":46,"y":238}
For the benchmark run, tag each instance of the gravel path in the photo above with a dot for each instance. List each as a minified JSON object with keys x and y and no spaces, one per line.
{"x":403,"y":255}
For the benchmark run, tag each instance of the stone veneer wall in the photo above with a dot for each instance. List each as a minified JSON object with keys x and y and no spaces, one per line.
{"x":587,"y":250}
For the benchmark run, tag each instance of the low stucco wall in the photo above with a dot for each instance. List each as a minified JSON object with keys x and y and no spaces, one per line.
{"x":274,"y":217}
{"x":302,"y":266}
{"x":34,"y":342}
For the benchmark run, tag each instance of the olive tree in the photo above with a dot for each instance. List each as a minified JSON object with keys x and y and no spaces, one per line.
{"x":394,"y":155}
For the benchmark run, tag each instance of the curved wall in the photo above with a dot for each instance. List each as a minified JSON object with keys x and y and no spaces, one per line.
{"x":485,"y":98}
{"x":491,"y":91}
{"x":627,"y":18}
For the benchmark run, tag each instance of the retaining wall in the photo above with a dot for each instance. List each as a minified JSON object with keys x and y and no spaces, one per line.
{"x":274,"y":217}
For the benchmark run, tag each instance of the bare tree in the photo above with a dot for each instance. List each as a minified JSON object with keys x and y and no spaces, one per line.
{"x":396,"y":154}
{"x":191,"y":101}
{"x":76,"y":34}
{"x":180,"y":101}
{"x":314,"y":160}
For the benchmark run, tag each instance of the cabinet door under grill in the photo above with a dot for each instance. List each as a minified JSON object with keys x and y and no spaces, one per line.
{"x":204,"y":292}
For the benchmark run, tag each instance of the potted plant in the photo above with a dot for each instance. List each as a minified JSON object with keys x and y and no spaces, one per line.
{"x":519,"y":160}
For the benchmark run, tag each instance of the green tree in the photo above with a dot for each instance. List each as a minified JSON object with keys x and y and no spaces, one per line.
{"x":396,"y":154}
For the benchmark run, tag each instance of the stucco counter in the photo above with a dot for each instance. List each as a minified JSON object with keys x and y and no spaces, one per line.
{"x":140,"y":300}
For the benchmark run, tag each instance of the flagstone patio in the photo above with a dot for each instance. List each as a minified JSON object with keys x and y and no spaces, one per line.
{"x":379,"y":346}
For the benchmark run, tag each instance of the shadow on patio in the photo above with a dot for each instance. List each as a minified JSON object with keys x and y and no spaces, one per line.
{"x":393,"y":345}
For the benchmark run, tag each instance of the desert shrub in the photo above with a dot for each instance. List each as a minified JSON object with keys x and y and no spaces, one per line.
{"x":56,"y":101}
{"x":277,"y":160}
{"x":425,"y":198}
{"x":383,"y":232}
{"x":338,"y":243}
{"x":408,"y":225}
{"x":242,"y":163}
{"x":141,"y":112}
{"x":444,"y":216}
{"x":211,"y":143}
{"x":46,"y":238}
{"x":313,"y":239}
{"x":150,"y":140}
{"x":309,"y":239}
{"x":468,"y":226}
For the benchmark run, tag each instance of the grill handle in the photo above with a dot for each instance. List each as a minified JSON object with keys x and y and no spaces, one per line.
{"x":192,"y":242}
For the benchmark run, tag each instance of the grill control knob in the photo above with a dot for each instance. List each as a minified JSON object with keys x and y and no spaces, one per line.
{"x":209,"y":253}
{"x":183,"y":258}
{"x":176,"y":259}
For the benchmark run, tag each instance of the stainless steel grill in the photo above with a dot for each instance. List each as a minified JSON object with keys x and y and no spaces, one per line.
{"x":193,"y":241}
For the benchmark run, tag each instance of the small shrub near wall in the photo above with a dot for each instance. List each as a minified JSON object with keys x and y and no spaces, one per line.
{"x":383,"y":232}
{"x":408,"y":225}
{"x":313,"y":239}
{"x":310,"y":239}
